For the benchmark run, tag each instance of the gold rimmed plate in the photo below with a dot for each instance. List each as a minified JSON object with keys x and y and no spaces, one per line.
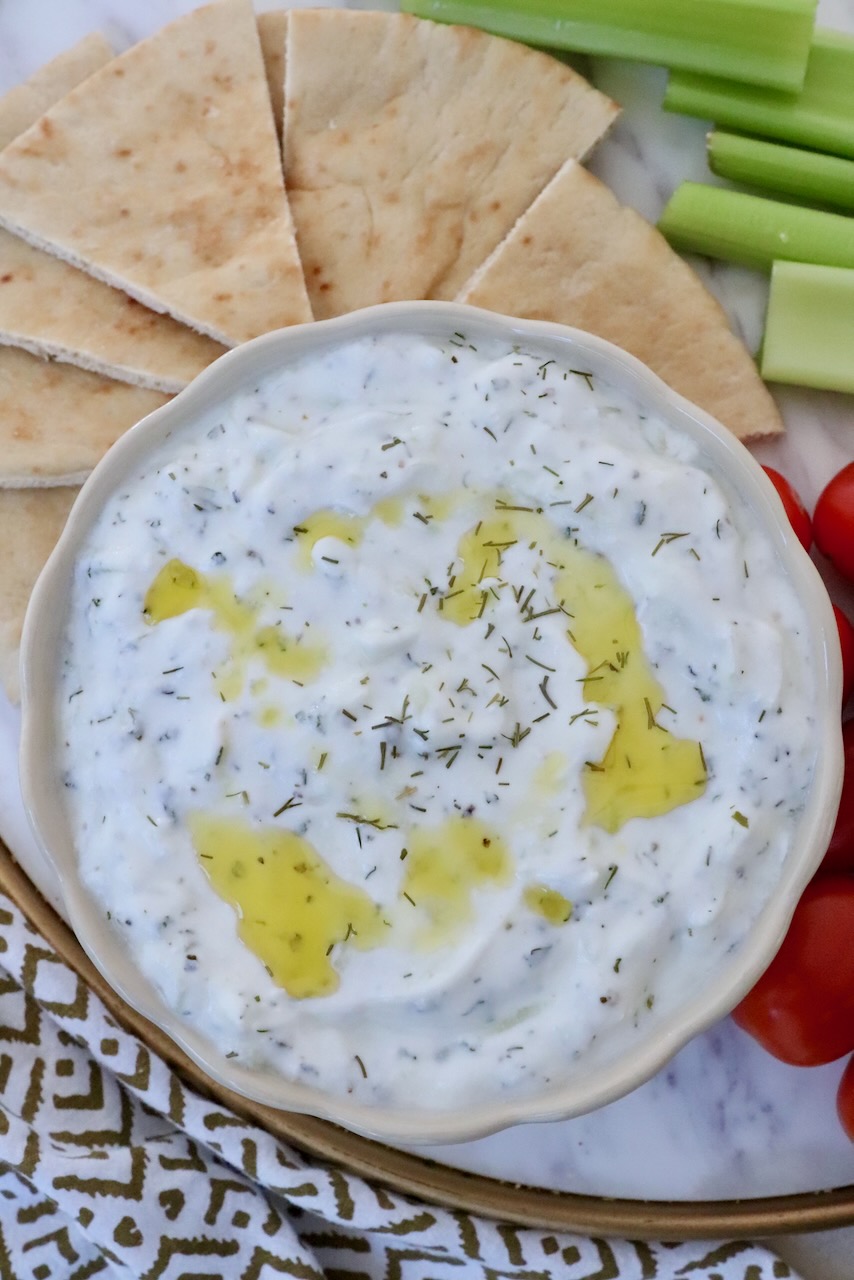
{"x":419,"y":1176}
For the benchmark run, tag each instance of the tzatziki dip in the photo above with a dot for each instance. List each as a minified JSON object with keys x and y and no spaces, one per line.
{"x":434,"y":719}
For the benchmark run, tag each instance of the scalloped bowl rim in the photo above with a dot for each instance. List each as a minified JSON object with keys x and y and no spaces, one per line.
{"x":42,"y":790}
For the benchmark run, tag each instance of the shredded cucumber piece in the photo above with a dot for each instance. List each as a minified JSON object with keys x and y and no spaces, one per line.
{"x":809,"y":326}
{"x":760,"y":41}
{"x":787,"y":171}
{"x":720,"y":223}
{"x":820,"y":116}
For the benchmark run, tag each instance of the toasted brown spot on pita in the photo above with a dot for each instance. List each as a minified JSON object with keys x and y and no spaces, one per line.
{"x":22,"y":106}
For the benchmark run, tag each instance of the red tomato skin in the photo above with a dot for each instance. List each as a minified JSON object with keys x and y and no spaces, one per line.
{"x":846,"y":644}
{"x":798,"y":515}
{"x":833,"y":521}
{"x":845,"y":1099}
{"x":840,"y":851}
{"x":802,"y":1008}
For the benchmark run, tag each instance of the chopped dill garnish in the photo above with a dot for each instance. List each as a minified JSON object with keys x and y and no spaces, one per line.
{"x":292,"y":803}
{"x":543,"y":687}
{"x":665,"y":539}
{"x":362,"y":821}
{"x":537,"y":663}
{"x":517,"y":736}
{"x":588,"y":711}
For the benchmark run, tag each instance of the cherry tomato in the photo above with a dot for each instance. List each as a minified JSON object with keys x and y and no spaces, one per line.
{"x":833,"y":521}
{"x":845,"y":1099}
{"x":846,"y":644}
{"x":840,"y":851}
{"x":802,"y":1008}
{"x":796,"y":511}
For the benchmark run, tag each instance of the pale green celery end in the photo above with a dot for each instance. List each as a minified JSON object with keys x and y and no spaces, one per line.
{"x":809,"y":326}
{"x":789,"y":171}
{"x":759,"y":41}
{"x":821,"y":116}
{"x":754,"y":231}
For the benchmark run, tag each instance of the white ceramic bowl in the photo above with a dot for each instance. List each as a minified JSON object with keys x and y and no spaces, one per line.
{"x":578,"y":1089}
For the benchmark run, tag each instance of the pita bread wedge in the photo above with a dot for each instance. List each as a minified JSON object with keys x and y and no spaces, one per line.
{"x":57,"y":422}
{"x":272,"y":30}
{"x":411,"y":148}
{"x":579,"y":257}
{"x":31,"y":521}
{"x":52,"y":309}
{"x":22,"y":106}
{"x":172,"y":157}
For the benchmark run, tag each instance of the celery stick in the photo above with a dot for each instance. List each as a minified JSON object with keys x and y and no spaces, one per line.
{"x":760,"y":41}
{"x":809,"y":327}
{"x":789,"y":171}
{"x":821,"y":116}
{"x":720,"y":223}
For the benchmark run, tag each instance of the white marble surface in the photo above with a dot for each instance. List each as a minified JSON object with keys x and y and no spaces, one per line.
{"x":724,"y":1119}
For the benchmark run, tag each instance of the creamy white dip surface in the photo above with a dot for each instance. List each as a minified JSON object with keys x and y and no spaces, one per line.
{"x":433,"y":722}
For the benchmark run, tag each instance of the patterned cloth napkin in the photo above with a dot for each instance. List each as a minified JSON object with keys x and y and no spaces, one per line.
{"x":111,"y":1166}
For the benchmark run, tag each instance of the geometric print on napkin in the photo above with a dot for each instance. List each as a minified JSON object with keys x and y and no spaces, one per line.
{"x":111,"y":1166}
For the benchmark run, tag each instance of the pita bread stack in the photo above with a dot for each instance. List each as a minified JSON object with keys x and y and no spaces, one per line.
{"x":411,"y":148}
{"x":580,"y":258}
{"x":50,"y":308}
{"x":422,"y":161}
{"x":37,"y":397}
{"x":172,"y":155}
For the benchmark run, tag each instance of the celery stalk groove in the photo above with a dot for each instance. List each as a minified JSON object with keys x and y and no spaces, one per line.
{"x":809,"y":327}
{"x":759,"y":41}
{"x":751,"y":230}
{"x":821,"y":116}
{"x":788,"y":171}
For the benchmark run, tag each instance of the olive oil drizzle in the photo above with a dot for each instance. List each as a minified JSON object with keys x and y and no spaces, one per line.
{"x":646,"y":770}
{"x":294,"y":912}
{"x":292,"y":909}
{"x":178,"y":588}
